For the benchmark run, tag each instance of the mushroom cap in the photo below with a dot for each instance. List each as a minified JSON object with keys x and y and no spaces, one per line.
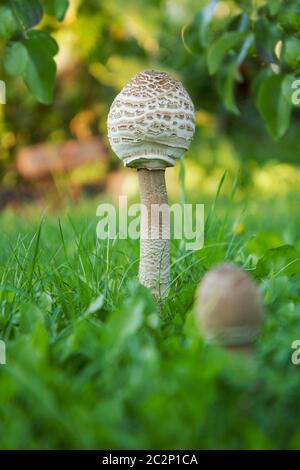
{"x":151,"y":122}
{"x":228,"y":306}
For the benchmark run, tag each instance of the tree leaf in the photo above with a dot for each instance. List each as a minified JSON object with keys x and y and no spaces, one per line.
{"x":230,"y":74}
{"x":291,"y":51}
{"x":8,"y":22}
{"x":56,"y":8}
{"x":273,"y":105}
{"x":48,"y":43}
{"x":203,"y":19}
{"x":267,"y":34}
{"x":28,"y":12}
{"x":289,"y":16}
{"x":40,"y":70}
{"x":221,"y":47}
{"x":226,"y":79}
{"x":274,"y":6}
{"x":15,"y":58}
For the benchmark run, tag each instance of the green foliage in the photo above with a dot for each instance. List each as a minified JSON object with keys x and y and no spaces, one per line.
{"x":56,"y":8}
{"x":27,"y":12}
{"x":8,"y":22}
{"x":203,"y":19}
{"x":291,"y":51}
{"x":15,"y":58}
{"x":241,"y":44}
{"x":88,"y":348}
{"x":273,"y":105}
{"x":39,"y":73}
{"x":253,"y":37}
{"x":220,"y":48}
{"x":33,"y":61}
{"x":29,"y":53}
{"x":282,"y":260}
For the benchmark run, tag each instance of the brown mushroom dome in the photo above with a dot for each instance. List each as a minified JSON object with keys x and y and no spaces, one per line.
{"x":228,"y":306}
{"x":151,"y":121}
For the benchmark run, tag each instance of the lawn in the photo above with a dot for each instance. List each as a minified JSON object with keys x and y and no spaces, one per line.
{"x":94,"y":362}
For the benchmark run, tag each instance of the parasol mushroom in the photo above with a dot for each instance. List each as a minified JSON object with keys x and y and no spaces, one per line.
{"x":229,"y":308}
{"x":150,"y":125}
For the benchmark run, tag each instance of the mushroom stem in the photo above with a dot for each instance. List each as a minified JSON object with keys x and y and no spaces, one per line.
{"x":154,"y":270}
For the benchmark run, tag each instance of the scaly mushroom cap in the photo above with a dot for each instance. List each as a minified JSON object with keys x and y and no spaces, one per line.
{"x":228,"y":306}
{"x":151,"y":121}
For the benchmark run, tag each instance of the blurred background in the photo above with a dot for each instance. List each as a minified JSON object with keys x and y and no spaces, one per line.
{"x":53,"y":154}
{"x":82,"y":335}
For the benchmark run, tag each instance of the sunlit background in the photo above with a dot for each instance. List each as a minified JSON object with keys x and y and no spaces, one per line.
{"x":102,"y":45}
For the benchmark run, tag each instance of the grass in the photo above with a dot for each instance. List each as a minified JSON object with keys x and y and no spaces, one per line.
{"x":94,"y":362}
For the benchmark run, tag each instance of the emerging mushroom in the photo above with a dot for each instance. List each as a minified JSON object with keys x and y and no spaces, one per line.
{"x":229,"y":308}
{"x":150,"y":125}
